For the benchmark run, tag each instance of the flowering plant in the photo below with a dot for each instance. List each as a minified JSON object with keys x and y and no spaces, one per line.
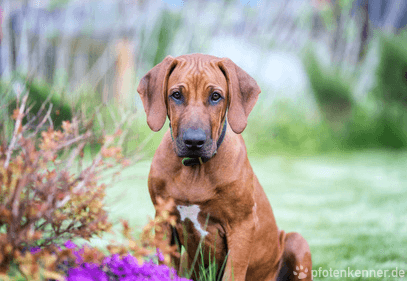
{"x":134,"y":261}
{"x":120,"y":268}
{"x":42,"y":201}
{"x":89,"y":264}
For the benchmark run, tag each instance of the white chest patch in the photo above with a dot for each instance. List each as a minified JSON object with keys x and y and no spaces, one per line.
{"x":191,"y":213}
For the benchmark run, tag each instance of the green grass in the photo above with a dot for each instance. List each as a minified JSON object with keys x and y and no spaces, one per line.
{"x":351,"y":207}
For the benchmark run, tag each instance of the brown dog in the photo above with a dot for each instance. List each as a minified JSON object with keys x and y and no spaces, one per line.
{"x":202,"y":164}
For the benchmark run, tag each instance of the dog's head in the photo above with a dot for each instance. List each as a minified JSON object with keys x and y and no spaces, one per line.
{"x":196,"y":91}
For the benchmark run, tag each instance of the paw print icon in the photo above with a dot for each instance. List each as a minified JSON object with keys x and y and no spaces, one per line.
{"x":301,"y":272}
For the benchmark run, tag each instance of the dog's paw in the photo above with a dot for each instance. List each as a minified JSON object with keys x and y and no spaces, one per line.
{"x":301,"y":272}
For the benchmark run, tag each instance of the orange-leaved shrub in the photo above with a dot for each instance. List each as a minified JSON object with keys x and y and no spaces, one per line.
{"x":48,"y":196}
{"x":47,"y":193}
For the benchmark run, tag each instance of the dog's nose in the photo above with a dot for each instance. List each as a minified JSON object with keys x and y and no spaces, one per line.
{"x":194,"y":139}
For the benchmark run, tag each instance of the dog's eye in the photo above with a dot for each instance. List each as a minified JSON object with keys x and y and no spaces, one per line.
{"x":215,"y":96}
{"x":176,"y":96}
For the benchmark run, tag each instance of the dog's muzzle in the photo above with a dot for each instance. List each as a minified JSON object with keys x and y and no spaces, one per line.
{"x":194,"y":139}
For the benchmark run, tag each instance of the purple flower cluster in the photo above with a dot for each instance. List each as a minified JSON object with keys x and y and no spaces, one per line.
{"x":116,"y":268}
{"x":122,"y":269}
{"x":87,"y":272}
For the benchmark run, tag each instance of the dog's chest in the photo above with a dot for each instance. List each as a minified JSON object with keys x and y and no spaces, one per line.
{"x":192,"y":213}
{"x":196,"y":227}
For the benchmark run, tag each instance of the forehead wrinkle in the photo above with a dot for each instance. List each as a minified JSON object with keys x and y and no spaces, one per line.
{"x":193,"y":72}
{"x":202,"y":71}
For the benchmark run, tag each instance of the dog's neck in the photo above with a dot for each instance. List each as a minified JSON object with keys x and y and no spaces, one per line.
{"x":188,"y":161}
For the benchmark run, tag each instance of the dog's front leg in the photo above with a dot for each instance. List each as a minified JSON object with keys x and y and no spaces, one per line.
{"x":239,"y":241}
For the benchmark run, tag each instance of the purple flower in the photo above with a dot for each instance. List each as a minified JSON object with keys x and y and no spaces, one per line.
{"x":126,"y":268}
{"x":35,"y":250}
{"x":70,"y":245}
{"x":78,"y":255}
{"x":87,"y":272}
{"x":160,"y":255}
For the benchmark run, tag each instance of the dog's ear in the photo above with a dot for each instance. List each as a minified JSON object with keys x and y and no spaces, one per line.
{"x":152,"y":90}
{"x":243,"y":94}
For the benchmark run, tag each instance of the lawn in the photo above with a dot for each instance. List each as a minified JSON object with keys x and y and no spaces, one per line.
{"x":351,"y":207}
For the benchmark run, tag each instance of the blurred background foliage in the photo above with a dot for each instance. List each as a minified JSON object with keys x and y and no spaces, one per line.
{"x":332,"y":73}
